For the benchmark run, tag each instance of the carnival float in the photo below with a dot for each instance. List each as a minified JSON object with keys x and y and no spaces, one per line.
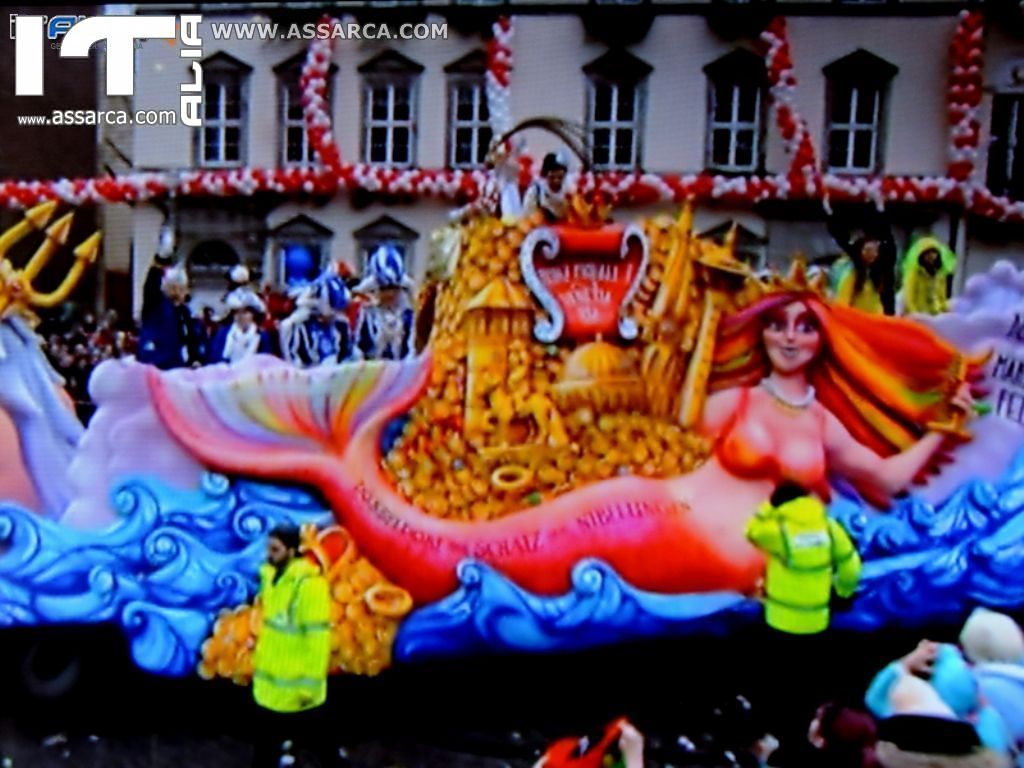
{"x":570,"y":459}
{"x":567,"y":457}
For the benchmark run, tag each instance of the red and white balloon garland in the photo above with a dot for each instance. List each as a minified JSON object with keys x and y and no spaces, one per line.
{"x":966,"y":78}
{"x":801,"y":180}
{"x":803,"y":177}
{"x":498,"y":77}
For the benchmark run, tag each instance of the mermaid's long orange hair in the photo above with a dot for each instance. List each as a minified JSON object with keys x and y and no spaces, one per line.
{"x":883,"y":377}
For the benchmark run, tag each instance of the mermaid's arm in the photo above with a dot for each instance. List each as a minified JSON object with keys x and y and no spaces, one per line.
{"x":718,"y":410}
{"x":856,"y":461}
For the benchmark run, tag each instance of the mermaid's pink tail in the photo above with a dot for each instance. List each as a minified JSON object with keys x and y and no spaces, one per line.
{"x":323,"y":429}
{"x":278,"y":422}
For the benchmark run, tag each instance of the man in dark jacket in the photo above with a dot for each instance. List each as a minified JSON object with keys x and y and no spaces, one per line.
{"x":170,"y":337}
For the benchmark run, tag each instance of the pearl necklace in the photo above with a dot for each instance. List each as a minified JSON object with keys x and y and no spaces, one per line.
{"x":770,"y":387}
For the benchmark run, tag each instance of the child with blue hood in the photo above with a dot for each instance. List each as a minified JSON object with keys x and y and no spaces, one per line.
{"x":931,"y":713}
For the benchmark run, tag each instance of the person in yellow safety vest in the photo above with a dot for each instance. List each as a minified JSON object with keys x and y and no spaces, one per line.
{"x":807,"y":552}
{"x":292,"y":654}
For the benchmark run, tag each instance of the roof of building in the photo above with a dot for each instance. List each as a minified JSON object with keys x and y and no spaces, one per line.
{"x":500,"y":293}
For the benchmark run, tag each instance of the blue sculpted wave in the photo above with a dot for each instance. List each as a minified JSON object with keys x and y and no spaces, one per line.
{"x":921,"y":563}
{"x":177,"y":558}
{"x":490,"y":613}
{"x":163,"y":572}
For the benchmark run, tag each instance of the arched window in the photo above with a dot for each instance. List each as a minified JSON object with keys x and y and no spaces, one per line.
{"x":616,"y":85}
{"x":857,"y":89}
{"x":222,"y":138}
{"x":469,"y":128}
{"x":390,"y":85}
{"x":736,"y":108}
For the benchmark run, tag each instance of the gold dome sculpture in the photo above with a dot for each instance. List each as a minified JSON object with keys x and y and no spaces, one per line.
{"x":601,"y":376}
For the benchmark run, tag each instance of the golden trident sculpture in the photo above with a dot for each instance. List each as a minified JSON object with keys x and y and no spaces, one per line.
{"x":17,"y":293}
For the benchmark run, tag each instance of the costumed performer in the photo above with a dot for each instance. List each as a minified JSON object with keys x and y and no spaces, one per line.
{"x":241,"y":337}
{"x":385,"y":323}
{"x":549,"y":194}
{"x":864,"y":278}
{"x":170,"y":337}
{"x":926,"y":268}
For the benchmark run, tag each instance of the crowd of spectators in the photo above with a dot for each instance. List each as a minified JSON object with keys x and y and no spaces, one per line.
{"x":942,"y":705}
{"x":77,"y":341}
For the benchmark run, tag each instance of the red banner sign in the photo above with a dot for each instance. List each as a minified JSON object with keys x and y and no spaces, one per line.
{"x":584,"y":278}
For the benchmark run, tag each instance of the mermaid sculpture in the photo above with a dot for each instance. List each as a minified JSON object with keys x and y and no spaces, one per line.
{"x":801,"y":391}
{"x":30,"y":395}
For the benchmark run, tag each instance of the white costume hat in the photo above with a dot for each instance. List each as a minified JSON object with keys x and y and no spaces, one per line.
{"x":175,"y":276}
{"x":239,"y":274}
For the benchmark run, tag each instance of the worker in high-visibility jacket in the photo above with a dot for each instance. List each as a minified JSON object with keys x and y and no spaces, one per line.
{"x":808,"y":553}
{"x":293,"y":647}
{"x":292,"y":654}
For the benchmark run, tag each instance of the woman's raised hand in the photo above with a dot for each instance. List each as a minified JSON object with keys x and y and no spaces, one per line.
{"x":963,"y":400}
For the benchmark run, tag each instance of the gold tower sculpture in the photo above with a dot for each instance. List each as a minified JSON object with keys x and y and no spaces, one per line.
{"x":673,"y":327}
{"x":17,"y":292}
{"x":722,"y":275}
{"x":500,"y":314}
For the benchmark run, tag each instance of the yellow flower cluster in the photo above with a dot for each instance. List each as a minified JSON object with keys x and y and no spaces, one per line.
{"x":366,"y":610}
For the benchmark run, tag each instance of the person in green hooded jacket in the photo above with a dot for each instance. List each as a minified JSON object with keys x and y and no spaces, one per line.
{"x":292,"y":655}
{"x":808,"y":553}
{"x":925,"y":269}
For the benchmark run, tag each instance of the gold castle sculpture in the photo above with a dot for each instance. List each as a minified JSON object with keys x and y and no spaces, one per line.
{"x":509,"y":420}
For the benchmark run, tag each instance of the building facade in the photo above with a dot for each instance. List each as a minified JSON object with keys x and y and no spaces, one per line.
{"x":659,"y":87}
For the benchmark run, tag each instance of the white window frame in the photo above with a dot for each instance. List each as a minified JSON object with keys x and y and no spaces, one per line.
{"x":733,"y":125}
{"x":221,"y":122}
{"x":285,"y":80}
{"x":390,"y":83}
{"x":613,"y":124}
{"x":476,"y":124}
{"x":853,"y":127}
